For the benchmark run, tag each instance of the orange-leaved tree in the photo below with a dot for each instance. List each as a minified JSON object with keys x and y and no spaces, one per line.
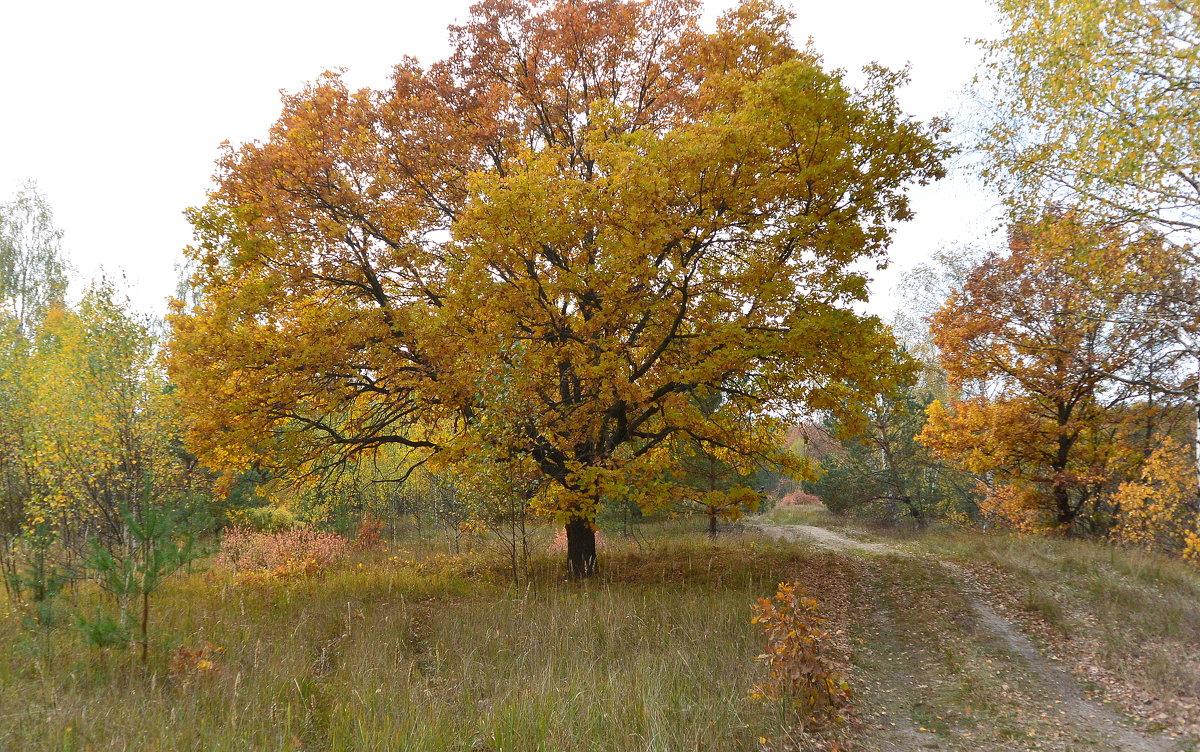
{"x":546,"y":243}
{"x":1027,"y":341}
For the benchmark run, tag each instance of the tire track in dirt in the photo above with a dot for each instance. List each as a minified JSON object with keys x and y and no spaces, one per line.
{"x":1101,"y":721}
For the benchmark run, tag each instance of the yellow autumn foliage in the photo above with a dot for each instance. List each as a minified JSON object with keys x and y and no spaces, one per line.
{"x":1157,"y":511}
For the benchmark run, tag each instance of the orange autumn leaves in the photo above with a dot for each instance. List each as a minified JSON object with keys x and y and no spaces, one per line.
{"x":553,"y":247}
{"x":1044,"y":346}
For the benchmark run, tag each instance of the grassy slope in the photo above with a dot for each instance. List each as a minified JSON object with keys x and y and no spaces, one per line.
{"x":1127,"y":621}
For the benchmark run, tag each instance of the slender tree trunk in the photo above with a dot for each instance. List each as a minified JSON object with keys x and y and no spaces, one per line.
{"x":712,"y":524}
{"x":1196,"y":447}
{"x":145,"y":624}
{"x":524,"y":544}
{"x":581,"y":549}
{"x":1193,"y":344}
{"x":513,"y":542}
{"x":8,"y":568}
{"x":915,"y":512}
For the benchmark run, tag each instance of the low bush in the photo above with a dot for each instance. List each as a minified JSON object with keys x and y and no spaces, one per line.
{"x":265,"y":519}
{"x":799,"y":667}
{"x":798,"y":499}
{"x":369,"y":535}
{"x":252,"y":555}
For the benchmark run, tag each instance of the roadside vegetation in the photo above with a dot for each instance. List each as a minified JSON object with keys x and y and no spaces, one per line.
{"x":409,"y":646}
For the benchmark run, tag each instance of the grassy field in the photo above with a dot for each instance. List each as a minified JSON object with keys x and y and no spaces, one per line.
{"x":655,"y":653}
{"x":435,"y":652}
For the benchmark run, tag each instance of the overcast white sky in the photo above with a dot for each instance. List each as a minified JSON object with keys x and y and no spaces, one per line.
{"x":116,"y":108}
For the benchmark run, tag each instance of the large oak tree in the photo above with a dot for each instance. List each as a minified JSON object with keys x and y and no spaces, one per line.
{"x":549,"y":242}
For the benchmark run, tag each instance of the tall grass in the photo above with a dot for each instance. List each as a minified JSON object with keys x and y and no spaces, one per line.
{"x":655,"y":654}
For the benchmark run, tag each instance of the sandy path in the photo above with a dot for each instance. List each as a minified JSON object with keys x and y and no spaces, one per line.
{"x":1062,"y":688}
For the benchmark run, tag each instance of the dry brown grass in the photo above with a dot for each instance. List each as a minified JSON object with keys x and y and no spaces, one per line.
{"x":655,"y":653}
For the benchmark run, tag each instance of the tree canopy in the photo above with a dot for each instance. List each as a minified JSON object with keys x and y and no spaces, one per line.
{"x":547,"y":243}
{"x":1095,"y":104}
{"x":1028,"y":341}
{"x":32,"y":271}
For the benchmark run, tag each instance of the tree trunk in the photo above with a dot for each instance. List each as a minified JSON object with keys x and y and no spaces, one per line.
{"x":915,"y":512}
{"x":581,"y":549}
{"x":1064,"y":514}
{"x":145,"y":624}
{"x":1196,"y":448}
{"x":712,"y":525}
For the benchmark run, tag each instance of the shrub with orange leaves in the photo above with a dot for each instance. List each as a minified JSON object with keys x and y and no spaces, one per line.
{"x":259,"y":556}
{"x":369,"y":533}
{"x":796,"y":656}
{"x":1020,"y":507}
{"x":194,"y":661}
{"x":798,"y":499}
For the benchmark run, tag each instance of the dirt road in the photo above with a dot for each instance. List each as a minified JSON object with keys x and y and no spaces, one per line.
{"x":941,"y":667}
